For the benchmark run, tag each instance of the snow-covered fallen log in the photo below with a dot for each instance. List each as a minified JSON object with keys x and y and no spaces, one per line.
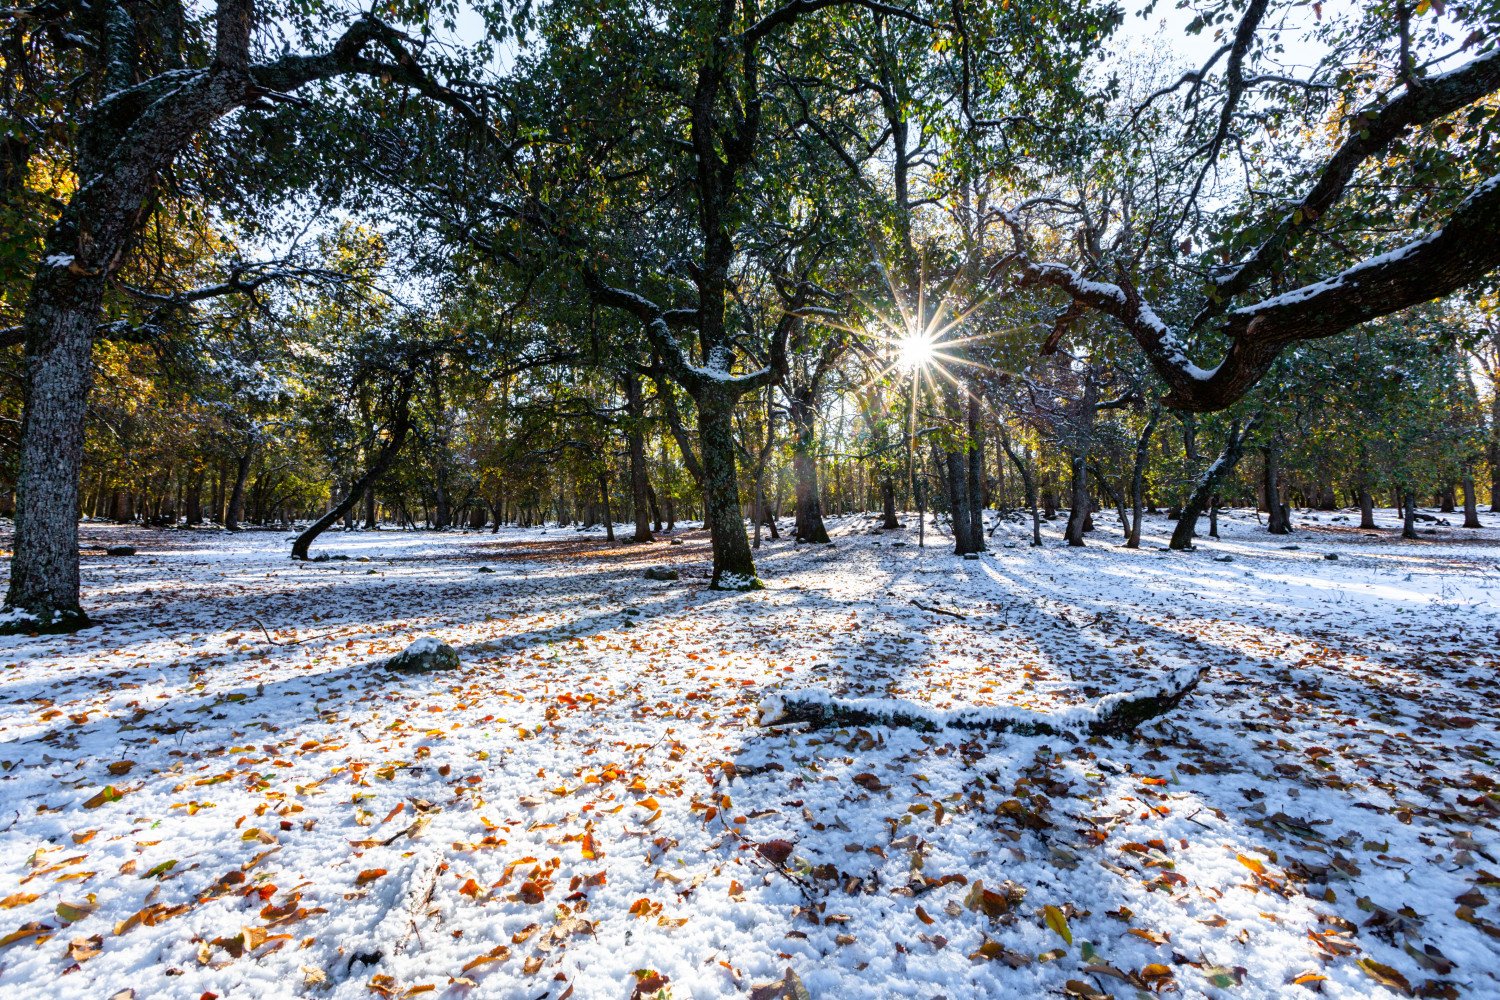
{"x":1116,"y":714}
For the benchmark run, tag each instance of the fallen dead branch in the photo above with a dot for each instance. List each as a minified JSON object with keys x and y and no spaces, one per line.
{"x":939,"y":611}
{"x":1113,"y":715}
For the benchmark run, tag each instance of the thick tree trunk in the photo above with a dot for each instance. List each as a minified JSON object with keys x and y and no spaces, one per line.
{"x":44,"y":575}
{"x":370,"y":523}
{"x":1208,"y":485}
{"x":1408,"y":512}
{"x":734,"y":563}
{"x":1278,"y":519}
{"x":195,"y":500}
{"x":442,"y":509}
{"x":1366,"y":508}
{"x":808,"y":525}
{"x":1078,"y":510}
{"x":888,"y":503}
{"x":1471,"y":502}
{"x":960,"y":510}
{"x":120,"y":508}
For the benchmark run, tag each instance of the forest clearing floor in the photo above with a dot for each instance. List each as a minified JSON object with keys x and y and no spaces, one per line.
{"x":216,"y":791}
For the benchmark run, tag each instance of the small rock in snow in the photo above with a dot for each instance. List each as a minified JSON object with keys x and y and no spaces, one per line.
{"x":658,"y":573}
{"x":424,"y":656}
{"x":120,"y":550}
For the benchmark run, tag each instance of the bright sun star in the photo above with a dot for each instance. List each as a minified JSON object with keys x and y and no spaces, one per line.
{"x":914,"y":351}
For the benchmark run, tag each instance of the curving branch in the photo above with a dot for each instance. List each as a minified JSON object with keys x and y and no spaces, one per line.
{"x":1445,"y":260}
{"x":1370,"y":131}
{"x":789,"y":12}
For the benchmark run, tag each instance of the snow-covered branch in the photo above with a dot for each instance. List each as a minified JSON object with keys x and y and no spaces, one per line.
{"x":1370,"y":131}
{"x":1117,"y":714}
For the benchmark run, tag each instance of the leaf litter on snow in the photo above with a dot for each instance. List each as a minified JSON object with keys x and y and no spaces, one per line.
{"x":220,"y":792}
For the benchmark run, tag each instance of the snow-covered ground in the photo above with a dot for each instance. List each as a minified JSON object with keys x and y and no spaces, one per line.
{"x":216,"y":791}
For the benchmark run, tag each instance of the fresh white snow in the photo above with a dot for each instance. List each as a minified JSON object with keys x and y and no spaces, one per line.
{"x":217,"y":790}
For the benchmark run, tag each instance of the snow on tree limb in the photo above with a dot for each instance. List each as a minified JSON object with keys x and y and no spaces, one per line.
{"x":1463,"y":250}
{"x":1374,"y":129}
{"x":1118,"y":714}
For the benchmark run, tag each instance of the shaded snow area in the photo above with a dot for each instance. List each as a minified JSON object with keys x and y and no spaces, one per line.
{"x":219,"y":791}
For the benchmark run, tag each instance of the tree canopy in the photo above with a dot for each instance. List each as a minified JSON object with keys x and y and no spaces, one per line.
{"x":595,"y":254}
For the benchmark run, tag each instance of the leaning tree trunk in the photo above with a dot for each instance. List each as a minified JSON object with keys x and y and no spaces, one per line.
{"x":1208,"y":486}
{"x":1116,"y":495}
{"x":237,"y":496}
{"x":1138,"y":478}
{"x":400,"y":424}
{"x":655,"y":510}
{"x":1028,"y":483}
{"x":734,"y":563}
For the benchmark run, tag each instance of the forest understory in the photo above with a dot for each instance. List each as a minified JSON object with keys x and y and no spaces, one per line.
{"x":218,"y":791}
